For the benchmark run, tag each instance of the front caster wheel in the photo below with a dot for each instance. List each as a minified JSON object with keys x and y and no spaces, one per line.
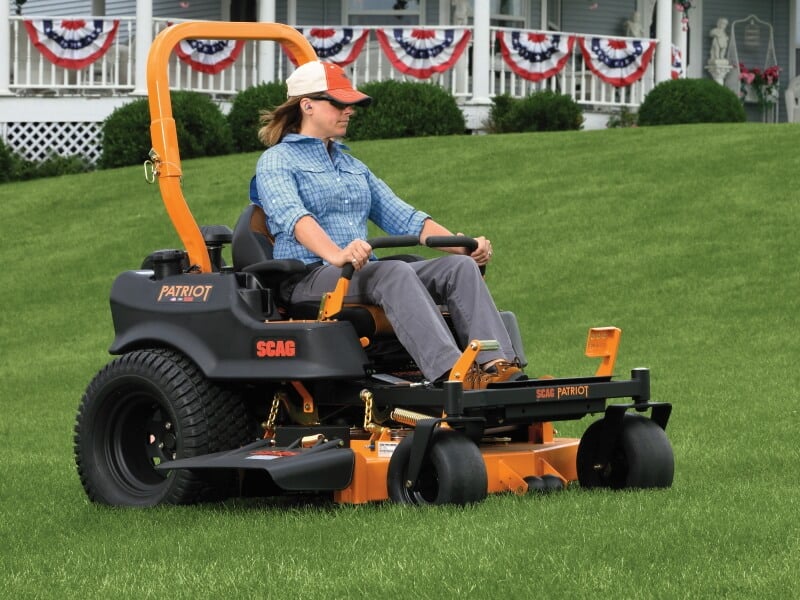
{"x":638,"y":456}
{"x":453,"y":471}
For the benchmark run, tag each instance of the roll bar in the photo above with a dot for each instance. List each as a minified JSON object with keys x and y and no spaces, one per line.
{"x":165,"y":158}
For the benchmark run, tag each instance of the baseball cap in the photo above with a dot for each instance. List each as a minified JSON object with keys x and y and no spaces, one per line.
{"x":325,"y":79}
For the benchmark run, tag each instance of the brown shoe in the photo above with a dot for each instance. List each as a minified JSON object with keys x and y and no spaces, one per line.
{"x":478,"y":379}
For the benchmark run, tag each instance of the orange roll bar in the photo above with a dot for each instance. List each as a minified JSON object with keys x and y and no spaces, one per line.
{"x":163,"y":132}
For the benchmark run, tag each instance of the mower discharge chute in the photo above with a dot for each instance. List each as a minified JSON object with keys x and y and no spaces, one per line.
{"x":218,"y":390}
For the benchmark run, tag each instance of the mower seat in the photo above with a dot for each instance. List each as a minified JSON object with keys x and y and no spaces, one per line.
{"x":251,"y":250}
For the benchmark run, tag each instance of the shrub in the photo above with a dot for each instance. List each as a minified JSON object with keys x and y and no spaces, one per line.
{"x":126,"y":135}
{"x":52,"y":166}
{"x":202,"y":130}
{"x":540,"y":111}
{"x":690,"y":101}
{"x":14,"y":167}
{"x":624,"y":118}
{"x":6,"y":163}
{"x":246,"y":110}
{"x":406,"y":109}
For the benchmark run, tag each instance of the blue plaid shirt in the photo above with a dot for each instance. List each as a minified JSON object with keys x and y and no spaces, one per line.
{"x":299,"y":177}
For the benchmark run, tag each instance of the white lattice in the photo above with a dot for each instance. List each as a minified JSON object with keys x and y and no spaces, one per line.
{"x":38,"y":141}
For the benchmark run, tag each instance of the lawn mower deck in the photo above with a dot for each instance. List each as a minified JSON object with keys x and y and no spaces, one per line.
{"x":218,"y":390}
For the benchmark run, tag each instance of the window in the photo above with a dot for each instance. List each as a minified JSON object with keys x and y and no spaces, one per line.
{"x":508,"y":13}
{"x":385,"y":12}
{"x":554,"y":15}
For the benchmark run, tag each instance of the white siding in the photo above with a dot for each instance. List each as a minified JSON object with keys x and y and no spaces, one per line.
{"x":56,"y":8}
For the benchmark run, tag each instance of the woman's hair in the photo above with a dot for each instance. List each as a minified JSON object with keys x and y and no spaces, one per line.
{"x":278,"y":122}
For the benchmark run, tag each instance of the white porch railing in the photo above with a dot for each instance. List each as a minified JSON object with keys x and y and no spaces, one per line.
{"x":32,"y":74}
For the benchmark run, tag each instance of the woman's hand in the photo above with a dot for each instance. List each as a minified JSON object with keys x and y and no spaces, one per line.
{"x":356,"y":253}
{"x":483,"y":253}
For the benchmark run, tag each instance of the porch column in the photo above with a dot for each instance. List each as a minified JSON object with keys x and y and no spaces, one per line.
{"x":480,"y":52}
{"x":664,"y":10}
{"x":679,"y":37}
{"x":266,"y":50}
{"x":144,"y":39}
{"x":5,"y":48}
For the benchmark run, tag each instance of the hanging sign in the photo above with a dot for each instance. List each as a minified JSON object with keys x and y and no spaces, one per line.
{"x":72,"y":43}
{"x":422,"y":52}
{"x":535,"y":55}
{"x":619,"y":62}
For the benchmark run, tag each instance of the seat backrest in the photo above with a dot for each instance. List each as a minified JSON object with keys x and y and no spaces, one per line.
{"x":252,"y":240}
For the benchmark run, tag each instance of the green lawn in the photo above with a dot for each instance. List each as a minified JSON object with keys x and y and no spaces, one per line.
{"x":685,"y":237}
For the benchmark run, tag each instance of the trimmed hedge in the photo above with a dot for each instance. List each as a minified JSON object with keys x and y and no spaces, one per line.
{"x":406,"y":109}
{"x":14,"y":167}
{"x":540,"y":111}
{"x":246,"y":111}
{"x":6,"y":163}
{"x":202,"y":130}
{"x":690,"y":101}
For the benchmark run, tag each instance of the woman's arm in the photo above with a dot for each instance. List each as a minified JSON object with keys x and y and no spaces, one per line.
{"x":309,"y":233}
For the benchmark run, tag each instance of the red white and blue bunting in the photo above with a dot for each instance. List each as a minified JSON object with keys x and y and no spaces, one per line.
{"x":72,"y":43}
{"x":209,"y":56}
{"x":422,"y":52}
{"x":617,"y":61}
{"x":535,"y":55}
{"x":340,"y":45}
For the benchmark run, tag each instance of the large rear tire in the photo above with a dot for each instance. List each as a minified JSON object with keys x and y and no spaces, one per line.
{"x":640,"y":456}
{"x":453,"y":472}
{"x":146,"y":408}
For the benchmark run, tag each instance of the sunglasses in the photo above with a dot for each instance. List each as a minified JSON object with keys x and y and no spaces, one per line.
{"x":333,"y":103}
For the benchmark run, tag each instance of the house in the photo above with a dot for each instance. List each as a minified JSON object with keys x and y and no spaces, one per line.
{"x":48,"y":104}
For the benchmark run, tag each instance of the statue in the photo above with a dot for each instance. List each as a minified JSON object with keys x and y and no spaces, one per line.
{"x":719,"y":43}
{"x":633,"y":26}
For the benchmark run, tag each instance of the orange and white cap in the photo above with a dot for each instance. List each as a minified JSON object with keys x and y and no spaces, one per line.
{"x":326,"y":79}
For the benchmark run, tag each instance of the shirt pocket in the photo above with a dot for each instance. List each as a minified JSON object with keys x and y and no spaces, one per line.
{"x":315,"y":184}
{"x":354,"y":187}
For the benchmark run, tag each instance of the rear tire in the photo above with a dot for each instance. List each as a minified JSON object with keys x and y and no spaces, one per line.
{"x":639,"y":457}
{"x":452,"y":473}
{"x":146,"y":408}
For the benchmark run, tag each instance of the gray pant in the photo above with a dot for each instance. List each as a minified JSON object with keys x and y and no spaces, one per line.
{"x":410,"y":293}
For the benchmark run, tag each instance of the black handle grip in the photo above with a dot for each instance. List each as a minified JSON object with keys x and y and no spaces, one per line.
{"x":393,"y":241}
{"x":450,"y":241}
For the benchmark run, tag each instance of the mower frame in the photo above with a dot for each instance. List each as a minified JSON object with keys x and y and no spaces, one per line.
{"x":204,"y":356}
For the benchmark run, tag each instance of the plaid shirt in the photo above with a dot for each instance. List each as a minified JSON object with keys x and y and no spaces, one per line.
{"x":298,"y":177}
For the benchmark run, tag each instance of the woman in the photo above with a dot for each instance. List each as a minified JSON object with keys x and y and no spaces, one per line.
{"x":318,"y":199}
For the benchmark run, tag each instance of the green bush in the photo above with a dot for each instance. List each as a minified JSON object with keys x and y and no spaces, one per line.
{"x":14,"y":167}
{"x":6,"y":163}
{"x":202,"y":130}
{"x":126,"y":135}
{"x":690,"y":101}
{"x":623,"y":118}
{"x":406,"y":109}
{"x":246,"y":110}
{"x":52,"y":166}
{"x":540,"y":111}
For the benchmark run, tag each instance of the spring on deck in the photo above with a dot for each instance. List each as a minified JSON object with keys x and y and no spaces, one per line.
{"x":407,"y":417}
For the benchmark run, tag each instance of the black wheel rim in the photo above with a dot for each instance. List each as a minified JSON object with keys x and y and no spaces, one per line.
{"x":139,"y":435}
{"x":427,"y":488}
